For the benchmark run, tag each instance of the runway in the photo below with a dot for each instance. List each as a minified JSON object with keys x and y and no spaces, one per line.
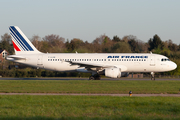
{"x":74,"y":94}
{"x":69,"y":78}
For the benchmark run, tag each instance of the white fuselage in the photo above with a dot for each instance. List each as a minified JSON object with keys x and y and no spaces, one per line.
{"x":128,"y":62}
{"x":110,"y":64}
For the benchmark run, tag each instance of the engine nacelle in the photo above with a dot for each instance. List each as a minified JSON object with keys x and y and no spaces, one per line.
{"x":113,"y":72}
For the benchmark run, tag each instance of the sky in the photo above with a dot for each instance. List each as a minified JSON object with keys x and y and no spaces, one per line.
{"x":89,"y":19}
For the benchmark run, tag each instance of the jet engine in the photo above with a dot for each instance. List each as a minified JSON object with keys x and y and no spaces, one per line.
{"x":113,"y":72}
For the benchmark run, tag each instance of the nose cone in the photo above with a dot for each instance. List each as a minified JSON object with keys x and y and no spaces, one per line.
{"x":173,"y":65}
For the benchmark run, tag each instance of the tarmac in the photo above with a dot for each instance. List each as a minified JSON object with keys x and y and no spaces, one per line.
{"x":69,"y":78}
{"x":74,"y":94}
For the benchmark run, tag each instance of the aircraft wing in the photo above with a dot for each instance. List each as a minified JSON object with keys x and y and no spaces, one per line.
{"x":89,"y":65}
{"x":95,"y":65}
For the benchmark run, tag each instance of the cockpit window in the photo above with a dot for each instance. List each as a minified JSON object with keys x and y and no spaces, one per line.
{"x":165,"y":59}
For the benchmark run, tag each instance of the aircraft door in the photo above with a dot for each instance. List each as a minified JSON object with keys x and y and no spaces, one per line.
{"x":39,"y":61}
{"x":152,"y":61}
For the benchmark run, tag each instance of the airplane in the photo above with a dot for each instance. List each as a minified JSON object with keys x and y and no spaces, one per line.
{"x":113,"y":65}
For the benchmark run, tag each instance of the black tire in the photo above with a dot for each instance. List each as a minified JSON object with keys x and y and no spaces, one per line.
{"x":91,"y":78}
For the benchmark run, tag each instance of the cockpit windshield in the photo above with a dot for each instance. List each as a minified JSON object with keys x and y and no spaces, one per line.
{"x":165,"y":59}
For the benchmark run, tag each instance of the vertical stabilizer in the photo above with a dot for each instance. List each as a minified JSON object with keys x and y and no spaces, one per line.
{"x":21,"y":43}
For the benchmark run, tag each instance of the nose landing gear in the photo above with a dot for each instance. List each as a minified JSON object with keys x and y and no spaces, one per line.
{"x":152,"y":76}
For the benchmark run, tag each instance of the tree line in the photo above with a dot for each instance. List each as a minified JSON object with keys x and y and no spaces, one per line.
{"x":102,"y":44}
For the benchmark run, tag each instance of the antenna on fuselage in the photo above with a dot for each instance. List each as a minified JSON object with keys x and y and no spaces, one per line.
{"x":76,"y":52}
{"x":150,"y":52}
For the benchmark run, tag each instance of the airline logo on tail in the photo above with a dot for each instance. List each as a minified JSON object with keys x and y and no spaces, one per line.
{"x":19,"y":40}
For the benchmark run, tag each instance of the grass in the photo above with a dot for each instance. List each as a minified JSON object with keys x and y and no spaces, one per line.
{"x":84,"y":86}
{"x":88,"y":107}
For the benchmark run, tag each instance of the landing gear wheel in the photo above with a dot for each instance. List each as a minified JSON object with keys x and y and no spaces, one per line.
{"x":98,"y":78}
{"x":152,"y":76}
{"x":91,"y":78}
{"x":95,"y":77}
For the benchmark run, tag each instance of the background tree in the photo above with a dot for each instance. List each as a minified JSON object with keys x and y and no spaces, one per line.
{"x":121,"y":47}
{"x":55,"y":43}
{"x":116,"y":39}
{"x":155,"y":43}
{"x":37,"y":42}
{"x":6,"y":43}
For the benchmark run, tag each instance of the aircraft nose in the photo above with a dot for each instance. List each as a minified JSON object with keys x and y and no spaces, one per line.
{"x":173,"y":65}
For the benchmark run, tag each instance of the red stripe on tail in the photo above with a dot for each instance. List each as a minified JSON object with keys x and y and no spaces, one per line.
{"x":16,"y":47}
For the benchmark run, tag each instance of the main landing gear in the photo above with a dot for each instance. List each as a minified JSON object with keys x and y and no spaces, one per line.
{"x":152,"y":76}
{"x":95,"y":77}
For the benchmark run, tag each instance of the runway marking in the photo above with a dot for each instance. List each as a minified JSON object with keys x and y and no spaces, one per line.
{"x":76,"y":94}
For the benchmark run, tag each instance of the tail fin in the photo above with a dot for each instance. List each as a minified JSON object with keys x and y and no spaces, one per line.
{"x":21,"y":43}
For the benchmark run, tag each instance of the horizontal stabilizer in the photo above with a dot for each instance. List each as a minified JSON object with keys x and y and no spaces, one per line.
{"x":15,"y":57}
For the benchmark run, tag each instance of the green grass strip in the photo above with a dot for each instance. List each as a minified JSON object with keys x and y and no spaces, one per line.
{"x":88,"y":107}
{"x":84,"y":86}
